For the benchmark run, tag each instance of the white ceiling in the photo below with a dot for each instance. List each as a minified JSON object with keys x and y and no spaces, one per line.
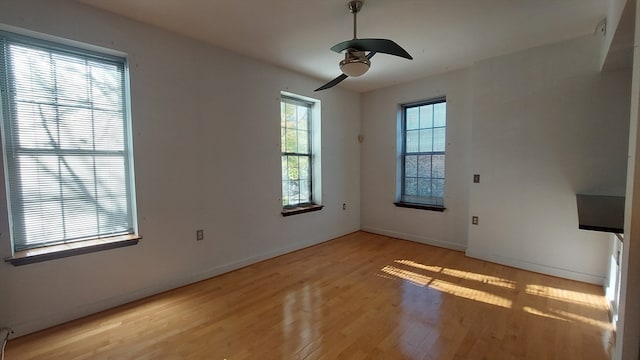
{"x":441,"y":35}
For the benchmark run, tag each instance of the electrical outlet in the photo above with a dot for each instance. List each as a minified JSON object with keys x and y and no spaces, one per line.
{"x":476,"y":178}
{"x":199,"y":235}
{"x":344,"y":206}
{"x":474,"y":220}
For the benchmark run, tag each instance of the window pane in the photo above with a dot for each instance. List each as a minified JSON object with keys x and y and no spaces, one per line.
{"x":292,"y":192}
{"x":72,"y":80}
{"x":291,"y":141}
{"x":75,"y":128}
{"x":303,"y":117}
{"x":303,"y":142}
{"x":439,"y":139}
{"x":424,"y":166}
{"x":440,"y":114}
{"x":292,"y":168}
{"x":108,"y":127}
{"x":283,"y":139}
{"x":304,"y":186}
{"x":39,"y":178}
{"x":438,"y":166}
{"x":290,"y":116}
{"x":32,"y":73}
{"x":411,"y":166}
{"x":426,"y":140}
{"x":412,"y":141}
{"x":424,"y":187}
{"x":105,"y":83}
{"x":285,"y":190}
{"x":37,"y":125}
{"x":437,"y":188}
{"x":304,"y":168}
{"x":285,"y":173}
{"x":42,"y":222}
{"x":413,"y":119}
{"x":426,"y":116}
{"x":411,"y":186}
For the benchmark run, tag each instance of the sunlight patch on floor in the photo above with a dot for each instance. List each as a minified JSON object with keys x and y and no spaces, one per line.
{"x":573,"y":297}
{"x":537,"y":312}
{"x":461,"y":274}
{"x":447,"y":287}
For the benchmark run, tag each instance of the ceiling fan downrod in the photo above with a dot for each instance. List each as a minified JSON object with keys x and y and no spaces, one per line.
{"x":354,"y":7}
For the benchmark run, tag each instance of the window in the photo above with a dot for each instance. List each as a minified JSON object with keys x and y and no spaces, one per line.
{"x":296,"y":137}
{"x":66,"y":143}
{"x":422,"y":170}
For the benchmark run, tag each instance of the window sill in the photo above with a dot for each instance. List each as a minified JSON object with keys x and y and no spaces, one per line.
{"x":420,"y":206}
{"x":301,"y":209}
{"x":72,"y":249}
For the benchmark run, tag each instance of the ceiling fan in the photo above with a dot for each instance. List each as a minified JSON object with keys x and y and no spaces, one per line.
{"x":360,"y":51}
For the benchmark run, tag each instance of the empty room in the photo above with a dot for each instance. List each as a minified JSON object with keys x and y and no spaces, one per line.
{"x":288,"y":179}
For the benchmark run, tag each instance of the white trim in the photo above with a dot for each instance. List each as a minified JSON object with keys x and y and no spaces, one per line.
{"x":539,"y":268}
{"x":416,"y":238}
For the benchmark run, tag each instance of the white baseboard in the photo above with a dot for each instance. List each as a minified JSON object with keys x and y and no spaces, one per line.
{"x":416,"y":238}
{"x":539,"y":268}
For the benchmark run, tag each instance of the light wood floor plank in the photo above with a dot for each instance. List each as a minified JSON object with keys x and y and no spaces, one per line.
{"x":361,"y":296}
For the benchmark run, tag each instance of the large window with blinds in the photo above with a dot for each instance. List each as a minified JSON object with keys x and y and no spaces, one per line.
{"x":66,"y":143}
{"x":422,"y":158}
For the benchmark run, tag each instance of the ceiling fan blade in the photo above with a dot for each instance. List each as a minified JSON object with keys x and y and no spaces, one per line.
{"x":332,"y":83}
{"x":385,"y":46}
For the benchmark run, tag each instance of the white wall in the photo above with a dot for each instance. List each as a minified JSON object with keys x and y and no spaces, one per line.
{"x":380,"y":111}
{"x":546,"y":125}
{"x":206,"y":144}
{"x":539,"y":126}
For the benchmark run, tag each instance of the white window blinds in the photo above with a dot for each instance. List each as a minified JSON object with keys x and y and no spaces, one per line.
{"x":66,"y":143}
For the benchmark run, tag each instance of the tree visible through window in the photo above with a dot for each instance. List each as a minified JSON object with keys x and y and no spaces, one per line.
{"x":295,"y":135}
{"x":66,"y":143}
{"x":423,"y":153}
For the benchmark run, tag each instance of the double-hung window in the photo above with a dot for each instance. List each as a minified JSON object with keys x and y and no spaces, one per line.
{"x":296,"y":138}
{"x":422,"y":158}
{"x":66,"y":144}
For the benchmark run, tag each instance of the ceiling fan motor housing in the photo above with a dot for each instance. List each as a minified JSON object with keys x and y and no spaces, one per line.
{"x":355,"y":63}
{"x":354,"y":6}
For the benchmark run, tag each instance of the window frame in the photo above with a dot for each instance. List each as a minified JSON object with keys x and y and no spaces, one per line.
{"x":313,"y":203}
{"x":401,"y":200}
{"x":67,"y":246}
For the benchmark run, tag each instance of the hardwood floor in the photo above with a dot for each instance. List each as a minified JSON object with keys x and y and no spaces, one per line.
{"x":361,"y":296}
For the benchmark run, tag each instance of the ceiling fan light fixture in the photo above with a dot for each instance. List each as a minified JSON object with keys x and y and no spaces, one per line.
{"x":354,"y":66}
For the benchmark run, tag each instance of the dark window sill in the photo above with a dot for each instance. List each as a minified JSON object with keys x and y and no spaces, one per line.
{"x":72,"y":249}
{"x":420,"y":206}
{"x":301,"y":209}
